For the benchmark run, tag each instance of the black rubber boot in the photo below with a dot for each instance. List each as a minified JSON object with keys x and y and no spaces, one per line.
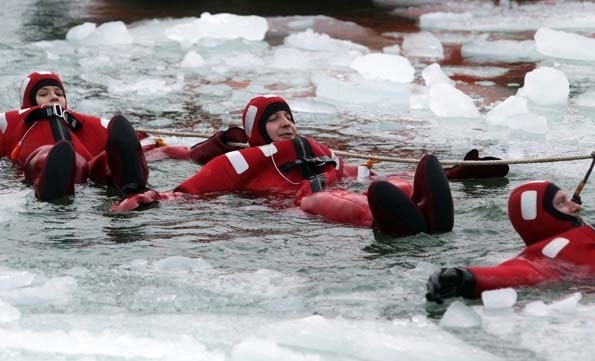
{"x":394,"y":213}
{"x":125,"y":157}
{"x":431,"y":193}
{"x":52,"y":170}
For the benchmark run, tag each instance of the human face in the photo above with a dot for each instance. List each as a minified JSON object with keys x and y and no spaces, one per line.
{"x":280,"y":126}
{"x":565,"y":205}
{"x":49,"y":95}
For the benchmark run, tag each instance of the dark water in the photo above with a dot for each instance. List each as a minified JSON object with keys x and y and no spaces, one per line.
{"x":51,"y":19}
{"x":142,"y":9}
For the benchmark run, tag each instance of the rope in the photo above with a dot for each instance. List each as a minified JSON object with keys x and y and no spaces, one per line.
{"x":550,"y":159}
{"x":172,"y":132}
{"x":377,"y":158}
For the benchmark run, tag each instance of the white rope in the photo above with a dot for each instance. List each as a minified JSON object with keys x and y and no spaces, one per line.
{"x":388,"y":158}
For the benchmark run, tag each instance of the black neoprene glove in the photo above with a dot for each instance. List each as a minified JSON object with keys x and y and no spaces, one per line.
{"x":459,"y":172}
{"x":450,"y":282}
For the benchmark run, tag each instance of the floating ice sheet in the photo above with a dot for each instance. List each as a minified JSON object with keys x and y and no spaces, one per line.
{"x":458,"y":315}
{"x":112,"y":33}
{"x":226,"y":26}
{"x":448,"y":101}
{"x":423,"y":44}
{"x":508,"y":51}
{"x":546,"y":86}
{"x":481,"y":16}
{"x":562,"y":44}
{"x":433,"y":74}
{"x":500,"y":298}
{"x":384,"y":66}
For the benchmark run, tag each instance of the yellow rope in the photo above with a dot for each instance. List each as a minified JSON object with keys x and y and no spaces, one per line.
{"x":372,"y":158}
{"x":370,"y":163}
{"x":160,"y":142}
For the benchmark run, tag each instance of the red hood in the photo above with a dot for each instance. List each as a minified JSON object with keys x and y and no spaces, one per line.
{"x":255,"y":115}
{"x":532,"y":213}
{"x":35,"y":81}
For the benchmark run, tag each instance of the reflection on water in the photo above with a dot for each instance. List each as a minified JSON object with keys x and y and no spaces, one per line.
{"x":124,"y":229}
{"x":50,"y":19}
{"x":479,"y":188}
{"x":411,"y":247}
{"x":128,"y":10}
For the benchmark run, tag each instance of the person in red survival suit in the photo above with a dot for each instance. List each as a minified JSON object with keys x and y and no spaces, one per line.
{"x":58,"y":147}
{"x":280,"y":162}
{"x":560,"y":246}
{"x":234,"y":137}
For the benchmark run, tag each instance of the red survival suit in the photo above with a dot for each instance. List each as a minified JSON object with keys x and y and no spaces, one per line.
{"x":270,"y":168}
{"x":25,"y":130}
{"x":29,"y":136}
{"x":279,"y":169}
{"x":559,"y":246}
{"x":300,"y":168}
